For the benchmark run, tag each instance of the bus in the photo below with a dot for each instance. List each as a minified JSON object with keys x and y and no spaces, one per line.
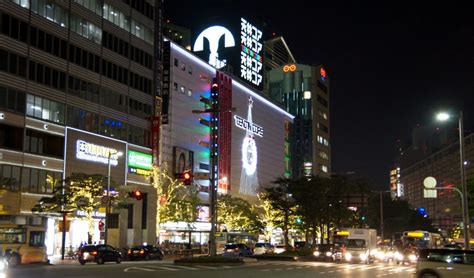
{"x":23,"y":244}
{"x":422,"y":239}
{"x":222,"y":238}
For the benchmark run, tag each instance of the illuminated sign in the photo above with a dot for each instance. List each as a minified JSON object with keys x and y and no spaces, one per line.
{"x":203,"y":214}
{"x":322,"y":71}
{"x":415,"y":234}
{"x":342,"y":233}
{"x":139,"y":171}
{"x":248,"y":126}
{"x":248,"y":177}
{"x":95,"y":153}
{"x":140,"y":160}
{"x":251,"y":62}
{"x":213,"y":35}
{"x":287,"y":68}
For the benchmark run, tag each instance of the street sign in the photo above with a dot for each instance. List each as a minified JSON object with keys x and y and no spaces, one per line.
{"x":429,"y":191}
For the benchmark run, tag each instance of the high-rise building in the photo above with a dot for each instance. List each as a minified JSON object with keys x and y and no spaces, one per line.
{"x":78,"y":80}
{"x":304,"y":91}
{"x":276,"y":55}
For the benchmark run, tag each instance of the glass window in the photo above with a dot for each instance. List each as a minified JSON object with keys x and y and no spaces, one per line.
{"x":12,"y":235}
{"x":37,"y":239}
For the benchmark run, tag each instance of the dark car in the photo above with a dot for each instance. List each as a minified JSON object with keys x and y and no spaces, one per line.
{"x":237,"y":249}
{"x":99,"y":254}
{"x":328,"y":252}
{"x":145,"y":252}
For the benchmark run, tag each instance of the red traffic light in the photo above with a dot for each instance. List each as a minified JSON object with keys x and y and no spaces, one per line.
{"x":137,"y":194}
{"x":187,"y":176}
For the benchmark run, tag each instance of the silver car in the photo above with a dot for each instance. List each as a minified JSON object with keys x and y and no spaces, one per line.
{"x":445,"y":263}
{"x":263,"y":248}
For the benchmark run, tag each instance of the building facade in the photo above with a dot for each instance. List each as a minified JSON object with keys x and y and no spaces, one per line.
{"x":276,"y":55}
{"x":78,"y":79}
{"x":253,"y":135}
{"x":304,"y":91}
{"x":443,"y":165}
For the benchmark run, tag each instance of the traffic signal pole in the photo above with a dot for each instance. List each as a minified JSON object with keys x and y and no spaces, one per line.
{"x":214,"y":157}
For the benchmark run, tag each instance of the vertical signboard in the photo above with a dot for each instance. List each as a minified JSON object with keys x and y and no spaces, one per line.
{"x":233,"y":45}
{"x":225,"y":132}
{"x":166,"y":82}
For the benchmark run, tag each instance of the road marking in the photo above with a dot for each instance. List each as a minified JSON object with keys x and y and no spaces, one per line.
{"x":207,"y":267}
{"x":137,"y":268}
{"x":185,"y":267}
{"x":164,"y":267}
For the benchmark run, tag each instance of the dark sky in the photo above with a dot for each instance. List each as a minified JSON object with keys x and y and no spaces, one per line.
{"x":391,"y":65}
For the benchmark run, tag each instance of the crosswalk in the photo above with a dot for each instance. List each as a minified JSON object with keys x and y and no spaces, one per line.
{"x":173,"y":267}
{"x":328,"y":268}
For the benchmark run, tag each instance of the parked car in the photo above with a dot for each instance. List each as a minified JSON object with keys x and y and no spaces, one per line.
{"x":263,"y":248}
{"x":301,"y":245}
{"x":237,"y":249}
{"x":441,"y":263}
{"x":99,"y":254}
{"x":328,"y":252}
{"x":145,"y":252}
{"x":280,"y":248}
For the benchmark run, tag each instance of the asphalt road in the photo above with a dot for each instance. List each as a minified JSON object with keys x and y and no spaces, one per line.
{"x":273,"y":269}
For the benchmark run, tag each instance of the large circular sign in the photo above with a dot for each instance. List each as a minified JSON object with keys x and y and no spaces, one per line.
{"x":429,"y":182}
{"x":249,"y":156}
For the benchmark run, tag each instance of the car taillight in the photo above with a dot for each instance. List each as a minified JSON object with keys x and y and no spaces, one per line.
{"x":142,"y":251}
{"x":94,"y":253}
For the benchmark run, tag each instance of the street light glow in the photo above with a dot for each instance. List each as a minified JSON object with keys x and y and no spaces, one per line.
{"x":443,"y":116}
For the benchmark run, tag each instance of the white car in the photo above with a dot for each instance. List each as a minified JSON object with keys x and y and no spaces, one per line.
{"x":263,"y":248}
{"x":445,"y":263}
{"x":279,"y":249}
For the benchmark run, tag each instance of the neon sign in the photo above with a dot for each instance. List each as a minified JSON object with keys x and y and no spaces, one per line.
{"x":248,"y":176}
{"x":95,"y":153}
{"x":248,"y":126}
{"x":139,"y":160}
{"x":322,"y":71}
{"x":251,"y":62}
{"x":287,"y":68}
{"x":213,"y":34}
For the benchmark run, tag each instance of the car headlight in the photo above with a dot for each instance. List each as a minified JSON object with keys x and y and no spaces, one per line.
{"x":363,"y":256}
{"x":85,"y":255}
{"x":2,"y":265}
{"x":328,"y":254}
{"x":412,"y":257}
{"x":398,"y":256}
{"x":316,"y":253}
{"x":348,"y":256}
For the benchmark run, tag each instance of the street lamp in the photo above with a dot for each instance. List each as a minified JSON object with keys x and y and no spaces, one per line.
{"x":443,"y":116}
{"x":107,"y":207}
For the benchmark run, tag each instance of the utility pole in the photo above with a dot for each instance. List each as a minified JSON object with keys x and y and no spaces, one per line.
{"x":381,"y":214}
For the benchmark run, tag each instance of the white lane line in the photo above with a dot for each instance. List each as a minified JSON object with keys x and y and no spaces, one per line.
{"x":137,"y":268}
{"x":207,"y":267}
{"x":324,"y":272}
{"x":265,"y":269}
{"x":164,"y":268}
{"x":278,"y":269}
{"x":184,"y":267}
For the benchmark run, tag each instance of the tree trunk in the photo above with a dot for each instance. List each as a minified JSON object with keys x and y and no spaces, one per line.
{"x":313,"y":233}
{"x":321,"y":229}
{"x":285,"y":230}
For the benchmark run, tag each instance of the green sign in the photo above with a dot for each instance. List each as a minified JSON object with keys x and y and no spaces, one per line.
{"x":140,"y":160}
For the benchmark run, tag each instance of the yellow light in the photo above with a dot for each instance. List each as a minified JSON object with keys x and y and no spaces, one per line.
{"x":342,"y":233}
{"x":471,"y":241}
{"x":415,"y":234}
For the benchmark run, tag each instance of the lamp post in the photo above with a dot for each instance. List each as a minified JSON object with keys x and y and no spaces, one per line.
{"x":107,"y":206}
{"x":465,"y":213}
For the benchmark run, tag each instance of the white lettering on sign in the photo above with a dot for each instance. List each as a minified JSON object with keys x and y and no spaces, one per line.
{"x":246,"y":125}
{"x":95,"y":153}
{"x":251,"y":62}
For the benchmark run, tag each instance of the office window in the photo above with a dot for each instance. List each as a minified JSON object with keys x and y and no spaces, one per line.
{"x":190,"y":92}
{"x":324,"y":168}
{"x":11,"y":137}
{"x":12,"y":100}
{"x":10,"y":177}
{"x":322,"y":101}
{"x":51,"y":11}
{"x":182,"y":89}
{"x":44,"y":109}
{"x":86,"y":29}
{"x":44,"y":144}
{"x":82,"y":119}
{"x":93,"y":5}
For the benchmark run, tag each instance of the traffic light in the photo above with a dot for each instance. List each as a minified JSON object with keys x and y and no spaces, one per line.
{"x":186,"y":177}
{"x":137,"y":194}
{"x":362,"y":218}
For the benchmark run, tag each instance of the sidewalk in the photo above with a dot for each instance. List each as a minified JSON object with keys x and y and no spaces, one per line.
{"x":56,"y":260}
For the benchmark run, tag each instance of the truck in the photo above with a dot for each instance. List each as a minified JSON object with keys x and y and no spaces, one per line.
{"x":358,"y":245}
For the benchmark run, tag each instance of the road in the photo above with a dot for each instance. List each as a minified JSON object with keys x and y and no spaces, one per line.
{"x":273,"y":269}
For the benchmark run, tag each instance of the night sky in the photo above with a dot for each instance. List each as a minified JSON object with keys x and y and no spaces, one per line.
{"x":391,"y":66}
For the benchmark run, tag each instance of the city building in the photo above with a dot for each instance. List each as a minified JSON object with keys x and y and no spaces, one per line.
{"x":304,"y":91}
{"x":443,"y":165}
{"x":77,"y":83}
{"x":276,"y":55}
{"x":253,"y":135}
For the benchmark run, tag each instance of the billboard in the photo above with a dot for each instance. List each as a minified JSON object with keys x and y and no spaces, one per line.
{"x":183,"y":160}
{"x":234,"y":45}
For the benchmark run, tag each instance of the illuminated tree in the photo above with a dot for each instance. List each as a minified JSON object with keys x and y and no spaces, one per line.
{"x":79,"y":192}
{"x":238,"y":215}
{"x":176,"y":201}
